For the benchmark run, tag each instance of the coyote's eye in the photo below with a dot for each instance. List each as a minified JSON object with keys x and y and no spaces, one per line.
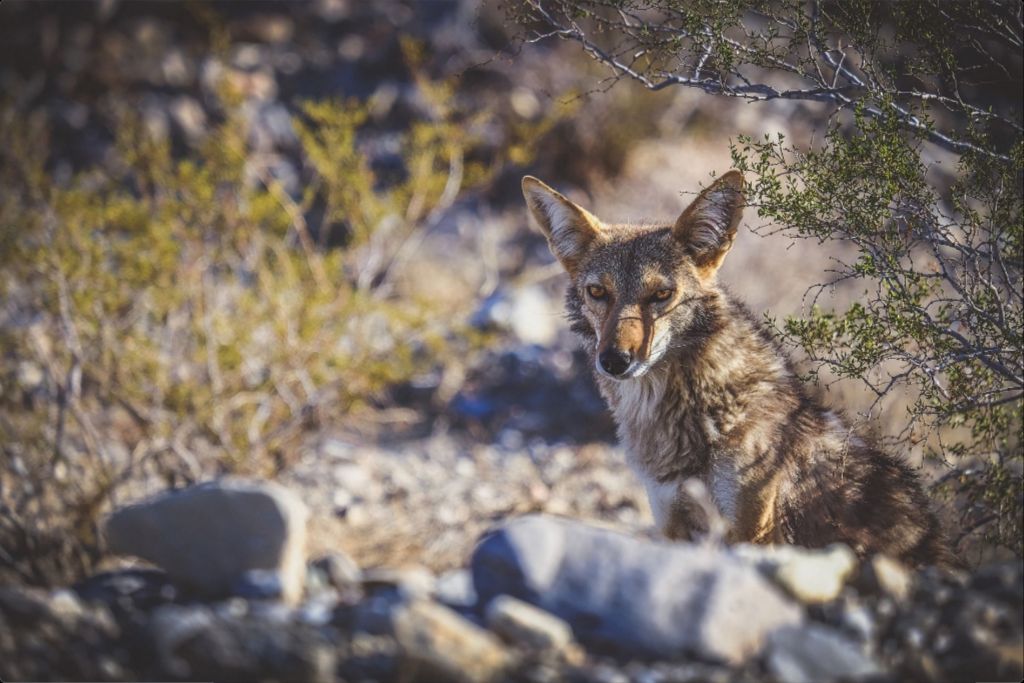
{"x":597,"y":291}
{"x":663,"y":295}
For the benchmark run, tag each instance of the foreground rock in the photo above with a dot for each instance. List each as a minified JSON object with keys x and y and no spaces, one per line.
{"x":634,"y":597}
{"x":521,"y":622}
{"x":230,"y":641}
{"x":439,"y":645}
{"x":815,"y":653}
{"x":558,"y":601}
{"x":231,"y":535}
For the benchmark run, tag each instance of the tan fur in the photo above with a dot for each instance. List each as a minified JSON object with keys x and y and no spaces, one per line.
{"x":699,"y":390}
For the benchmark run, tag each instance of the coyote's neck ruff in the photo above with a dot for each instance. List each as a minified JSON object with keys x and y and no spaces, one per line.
{"x":700,"y":390}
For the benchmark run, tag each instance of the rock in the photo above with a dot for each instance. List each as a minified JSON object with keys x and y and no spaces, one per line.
{"x":370,"y":658}
{"x":30,"y":375}
{"x":814,"y":653}
{"x":208,"y":536}
{"x":455,"y":589}
{"x":630,"y":596}
{"x":55,"y":636}
{"x":522,"y":623}
{"x":525,"y":103}
{"x":177,"y":69}
{"x":128,"y":589}
{"x":411,"y":581}
{"x":65,"y":607}
{"x":340,"y":572}
{"x":372,"y":615}
{"x":890,"y":577}
{"x":811,"y":576}
{"x":259,"y":584}
{"x":270,"y":124}
{"x":190,"y":117}
{"x":193,"y":642}
{"x":438,"y":644}
{"x":960,"y":628}
{"x":858,"y":619}
{"x":319,"y":610}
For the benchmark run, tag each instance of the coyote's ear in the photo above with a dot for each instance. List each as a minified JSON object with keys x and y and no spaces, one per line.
{"x":569,"y":228}
{"x":708,"y":226}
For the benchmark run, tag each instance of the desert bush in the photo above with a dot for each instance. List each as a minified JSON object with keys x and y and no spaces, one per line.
{"x":176,"y":316}
{"x":919,"y":169}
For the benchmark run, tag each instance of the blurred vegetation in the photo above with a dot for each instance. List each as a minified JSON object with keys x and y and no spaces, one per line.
{"x":174,"y":315}
{"x":920,"y":170}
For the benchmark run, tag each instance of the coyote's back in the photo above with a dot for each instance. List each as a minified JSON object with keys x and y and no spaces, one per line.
{"x":699,"y":390}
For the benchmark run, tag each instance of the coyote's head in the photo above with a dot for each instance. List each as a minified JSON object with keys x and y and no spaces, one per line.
{"x":640,"y":291}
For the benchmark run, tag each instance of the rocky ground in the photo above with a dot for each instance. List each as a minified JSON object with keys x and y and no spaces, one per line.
{"x":426,"y":502}
{"x":235,"y":597}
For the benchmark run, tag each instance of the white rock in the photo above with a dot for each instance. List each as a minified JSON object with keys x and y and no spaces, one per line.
{"x":630,"y":596}
{"x":892,"y":577}
{"x":811,"y":576}
{"x":208,"y":536}
{"x":814,"y":653}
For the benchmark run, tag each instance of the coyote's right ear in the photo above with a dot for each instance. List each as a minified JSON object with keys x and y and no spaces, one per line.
{"x":569,"y":228}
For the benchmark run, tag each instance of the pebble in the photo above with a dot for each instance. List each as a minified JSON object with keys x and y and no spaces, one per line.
{"x":340,"y":571}
{"x":410,"y":581}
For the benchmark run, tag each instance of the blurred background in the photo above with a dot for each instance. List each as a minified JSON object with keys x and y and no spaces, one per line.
{"x":287,"y":240}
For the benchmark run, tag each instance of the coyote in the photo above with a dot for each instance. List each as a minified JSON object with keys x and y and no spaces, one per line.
{"x":700,"y":390}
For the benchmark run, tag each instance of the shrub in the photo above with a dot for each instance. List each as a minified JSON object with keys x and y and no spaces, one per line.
{"x":178,"y":317}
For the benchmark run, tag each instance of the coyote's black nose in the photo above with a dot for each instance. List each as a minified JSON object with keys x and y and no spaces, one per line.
{"x":614,"y":362}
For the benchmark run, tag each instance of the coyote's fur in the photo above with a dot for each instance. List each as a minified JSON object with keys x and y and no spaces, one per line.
{"x":700,"y":390}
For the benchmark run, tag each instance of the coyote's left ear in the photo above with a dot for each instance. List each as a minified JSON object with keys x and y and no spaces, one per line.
{"x":708,"y":226}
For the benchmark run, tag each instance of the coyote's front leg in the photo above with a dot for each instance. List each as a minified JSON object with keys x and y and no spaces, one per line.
{"x":676,"y":514}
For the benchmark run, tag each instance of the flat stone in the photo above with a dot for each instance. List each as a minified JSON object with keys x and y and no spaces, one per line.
{"x":210,"y":535}
{"x":521,"y":623}
{"x":629,"y":596}
{"x":439,"y":645}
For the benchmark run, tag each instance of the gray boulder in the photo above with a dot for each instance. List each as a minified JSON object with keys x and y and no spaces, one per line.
{"x":214,"y":536}
{"x":634,"y":597}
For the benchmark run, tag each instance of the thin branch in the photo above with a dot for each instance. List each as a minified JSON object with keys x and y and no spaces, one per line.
{"x":819,"y":91}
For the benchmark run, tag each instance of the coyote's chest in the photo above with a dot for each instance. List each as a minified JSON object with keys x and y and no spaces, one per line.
{"x":667,"y":440}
